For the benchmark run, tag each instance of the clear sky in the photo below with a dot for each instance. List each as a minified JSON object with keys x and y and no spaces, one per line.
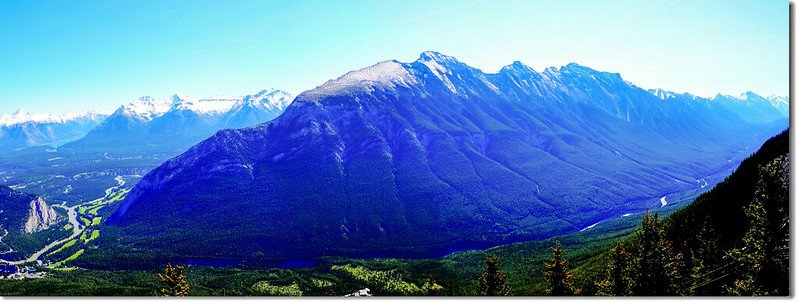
{"x":60,"y":56}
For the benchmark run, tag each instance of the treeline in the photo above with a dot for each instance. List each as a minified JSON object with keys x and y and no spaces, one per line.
{"x":734,"y":240}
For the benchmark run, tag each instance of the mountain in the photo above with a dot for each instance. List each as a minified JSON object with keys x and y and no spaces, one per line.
{"x":782,"y":103}
{"x":423,"y":158}
{"x":752,"y":107}
{"x":710,"y":230}
{"x":24,"y":129}
{"x":175,"y":124}
{"x":255,"y":109}
{"x":27,"y":223}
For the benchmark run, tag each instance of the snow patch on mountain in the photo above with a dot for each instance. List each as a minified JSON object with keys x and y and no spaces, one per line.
{"x":146,"y":107}
{"x":23,"y":116}
{"x":433,"y":61}
{"x":386,"y":74}
{"x":212,"y":106}
{"x":269,"y":99}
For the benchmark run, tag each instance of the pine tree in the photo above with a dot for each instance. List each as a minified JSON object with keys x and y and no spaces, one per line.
{"x":431,"y":288}
{"x":762,"y":262}
{"x":557,"y":274}
{"x":175,"y":283}
{"x":658,"y":266}
{"x":618,"y":281}
{"x":493,"y":282}
{"x":704,"y":259}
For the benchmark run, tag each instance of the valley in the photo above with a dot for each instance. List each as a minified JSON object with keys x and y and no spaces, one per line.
{"x":392,"y":172}
{"x":82,"y":199}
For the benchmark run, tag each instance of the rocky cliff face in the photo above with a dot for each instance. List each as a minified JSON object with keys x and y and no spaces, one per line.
{"x":40,"y":216}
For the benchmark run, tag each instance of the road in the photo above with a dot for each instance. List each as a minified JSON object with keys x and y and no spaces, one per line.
{"x":77,"y":228}
{"x":72,"y":213}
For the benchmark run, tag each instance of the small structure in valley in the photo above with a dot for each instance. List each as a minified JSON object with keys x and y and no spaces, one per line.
{"x":366,"y":292}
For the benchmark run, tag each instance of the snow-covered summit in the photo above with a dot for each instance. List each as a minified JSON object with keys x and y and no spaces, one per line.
{"x":778,"y":100}
{"x":146,"y":107}
{"x":269,"y":98}
{"x":386,"y":74}
{"x":662,"y":94}
{"x":667,"y":94}
{"x":23,"y":116}
{"x":207,"y":106}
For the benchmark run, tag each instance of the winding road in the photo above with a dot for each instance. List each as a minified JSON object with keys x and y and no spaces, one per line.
{"x":77,"y":228}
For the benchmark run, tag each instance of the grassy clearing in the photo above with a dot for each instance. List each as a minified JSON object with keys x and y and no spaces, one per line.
{"x":67,"y":227}
{"x":96,"y":220}
{"x":70,"y":258}
{"x":119,"y":195}
{"x":95,"y":234}
{"x":93,"y":210}
{"x":85,"y":221}
{"x":63,"y":247}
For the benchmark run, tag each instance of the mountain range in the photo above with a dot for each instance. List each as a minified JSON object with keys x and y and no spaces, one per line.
{"x":431,"y":156}
{"x":178,"y":122}
{"x":24,"y":129}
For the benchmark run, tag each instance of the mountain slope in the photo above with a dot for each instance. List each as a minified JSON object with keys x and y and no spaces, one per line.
{"x":716,"y":223}
{"x":23,"y":129}
{"x":752,"y":107}
{"x":420,"y":158}
{"x":26,"y":223}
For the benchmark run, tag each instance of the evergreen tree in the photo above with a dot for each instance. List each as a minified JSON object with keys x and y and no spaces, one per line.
{"x":557,"y":274}
{"x":618,"y":281}
{"x":175,"y":283}
{"x":493,"y":282}
{"x":658,"y":266}
{"x":762,"y":262}
{"x":431,"y":288}
{"x":704,"y":261}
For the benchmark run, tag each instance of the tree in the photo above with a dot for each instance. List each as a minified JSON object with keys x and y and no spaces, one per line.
{"x":658,"y":266}
{"x":762,"y":261}
{"x":557,"y":274}
{"x":618,"y":281}
{"x":704,"y":261}
{"x":493,"y":282}
{"x":175,"y":283}
{"x":431,"y":288}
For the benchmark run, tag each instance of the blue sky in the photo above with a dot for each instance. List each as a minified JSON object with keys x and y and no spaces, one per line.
{"x":60,"y":56}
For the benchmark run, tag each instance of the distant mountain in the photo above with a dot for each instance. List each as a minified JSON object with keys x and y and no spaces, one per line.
{"x":179,"y":122}
{"x":24,"y":129}
{"x":753,"y":108}
{"x":427,"y":157}
{"x":255,"y":109}
{"x":782,"y":103}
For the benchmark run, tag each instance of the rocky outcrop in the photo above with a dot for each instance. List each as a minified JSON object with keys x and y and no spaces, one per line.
{"x":40,"y":216}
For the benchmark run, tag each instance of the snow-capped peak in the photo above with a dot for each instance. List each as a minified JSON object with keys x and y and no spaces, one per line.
{"x":662,"y":94}
{"x":775,"y":99}
{"x":386,"y":74}
{"x":270,"y":99}
{"x":179,"y":98}
{"x":436,"y":57}
{"x":208,"y":106}
{"x":146,"y":107}
{"x":439,"y":65}
{"x":23,"y":116}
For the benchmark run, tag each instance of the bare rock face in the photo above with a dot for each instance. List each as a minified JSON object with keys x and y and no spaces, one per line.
{"x":40,"y":217}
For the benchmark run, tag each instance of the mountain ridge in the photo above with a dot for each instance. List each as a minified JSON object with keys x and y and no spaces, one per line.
{"x":396,"y":152}
{"x":179,"y":121}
